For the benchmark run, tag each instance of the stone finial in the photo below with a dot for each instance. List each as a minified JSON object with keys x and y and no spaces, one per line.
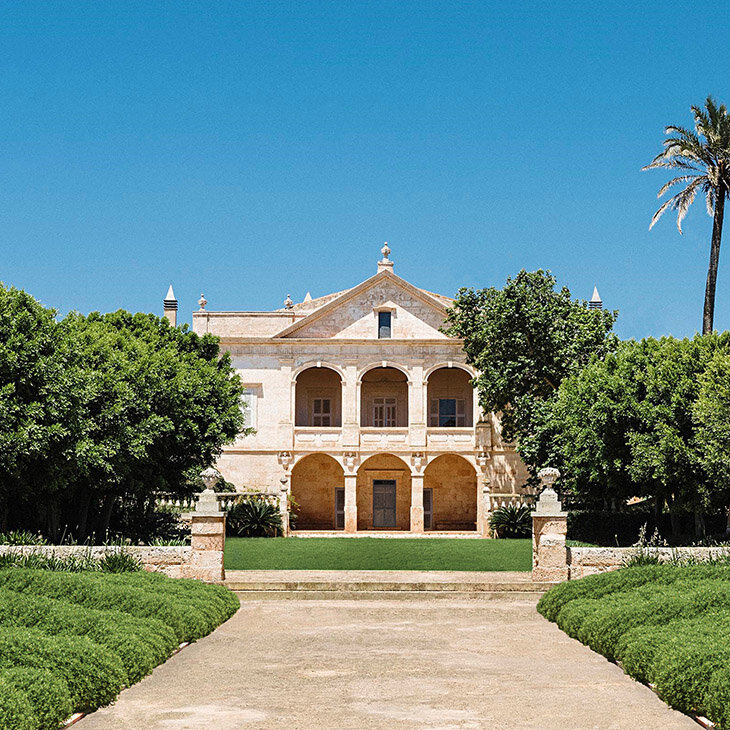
{"x":288,"y":303}
{"x":207,"y":501}
{"x":202,"y":302}
{"x":385,"y":263}
{"x":596,"y":301}
{"x":210,"y":477}
{"x":169,"y":307}
{"x":548,"y":503}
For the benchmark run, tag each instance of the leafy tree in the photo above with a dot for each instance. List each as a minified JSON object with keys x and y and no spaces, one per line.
{"x":626,"y":426}
{"x":703,"y":157}
{"x":34,"y":404}
{"x":153,"y":405}
{"x":524,"y":339}
{"x":711,"y":414}
{"x":99,"y":413}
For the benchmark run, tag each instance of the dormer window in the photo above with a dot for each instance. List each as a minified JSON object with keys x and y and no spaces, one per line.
{"x":384,"y":325}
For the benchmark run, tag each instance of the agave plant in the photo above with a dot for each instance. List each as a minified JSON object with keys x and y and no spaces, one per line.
{"x":254,"y":517}
{"x":511,"y":521}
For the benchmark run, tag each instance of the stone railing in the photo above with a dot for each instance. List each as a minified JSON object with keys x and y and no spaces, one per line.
{"x":225,"y":499}
{"x":509,"y":499}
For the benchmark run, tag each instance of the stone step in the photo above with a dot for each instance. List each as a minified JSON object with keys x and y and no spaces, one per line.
{"x":237,"y":584}
{"x":341,"y":594}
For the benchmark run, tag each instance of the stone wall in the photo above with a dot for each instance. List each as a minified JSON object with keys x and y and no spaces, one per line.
{"x":584,"y":561}
{"x":170,"y":560}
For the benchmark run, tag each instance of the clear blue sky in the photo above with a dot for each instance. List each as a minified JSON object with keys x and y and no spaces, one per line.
{"x":250,"y":150}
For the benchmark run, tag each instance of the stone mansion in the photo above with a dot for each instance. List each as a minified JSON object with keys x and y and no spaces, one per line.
{"x":363,"y":408}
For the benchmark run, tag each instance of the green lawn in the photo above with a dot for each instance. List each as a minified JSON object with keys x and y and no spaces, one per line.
{"x":372,"y":553}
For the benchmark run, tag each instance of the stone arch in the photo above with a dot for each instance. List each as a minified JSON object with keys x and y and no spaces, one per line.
{"x":314,"y":480}
{"x":451,"y":366}
{"x":384,"y":397}
{"x":318,"y":397}
{"x":449,"y":398}
{"x":383,"y":364}
{"x":453,"y":484}
{"x":383,"y":468}
{"x":317,"y":364}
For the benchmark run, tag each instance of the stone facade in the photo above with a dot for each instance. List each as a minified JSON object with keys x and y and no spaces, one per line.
{"x":364,"y":409}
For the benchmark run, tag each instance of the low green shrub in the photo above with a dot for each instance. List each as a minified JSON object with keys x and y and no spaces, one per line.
{"x":253,"y":517}
{"x":48,"y":696}
{"x":717,"y":698}
{"x":669,"y":626}
{"x":649,"y":605}
{"x":141,"y":644}
{"x":620,"y":581}
{"x":21,"y":537}
{"x":71,"y":641}
{"x":511,"y":520}
{"x":93,"y":674}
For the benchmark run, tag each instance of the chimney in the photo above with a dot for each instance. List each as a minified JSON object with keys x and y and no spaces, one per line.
{"x":169,"y":304}
{"x":595,"y":302}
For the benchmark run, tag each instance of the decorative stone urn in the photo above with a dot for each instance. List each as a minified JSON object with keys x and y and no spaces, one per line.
{"x":549,"y":530}
{"x":207,"y":501}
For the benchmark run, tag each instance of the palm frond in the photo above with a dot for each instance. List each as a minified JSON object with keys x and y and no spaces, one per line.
{"x":702,"y":156}
{"x":675,"y":181}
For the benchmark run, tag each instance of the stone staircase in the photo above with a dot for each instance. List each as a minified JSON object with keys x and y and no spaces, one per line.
{"x":376,"y":584}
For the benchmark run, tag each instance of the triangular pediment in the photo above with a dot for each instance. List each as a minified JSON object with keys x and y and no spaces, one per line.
{"x":354,"y":314}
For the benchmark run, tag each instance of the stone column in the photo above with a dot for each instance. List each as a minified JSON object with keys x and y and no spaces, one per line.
{"x":549,"y":530}
{"x":484,"y":503}
{"x":284,"y":506}
{"x":350,"y":424}
{"x":416,"y":502}
{"x":350,"y":502}
{"x":208,"y":535}
{"x":416,"y":414}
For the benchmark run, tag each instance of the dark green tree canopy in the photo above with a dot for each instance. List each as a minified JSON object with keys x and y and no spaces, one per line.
{"x":524,"y":339}
{"x":639,"y":422}
{"x":103,"y":410}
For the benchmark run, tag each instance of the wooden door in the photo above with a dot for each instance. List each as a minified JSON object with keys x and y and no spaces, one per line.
{"x":384,"y":503}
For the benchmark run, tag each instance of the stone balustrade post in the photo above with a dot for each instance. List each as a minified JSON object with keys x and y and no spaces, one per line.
{"x":484,"y":504}
{"x":549,"y":530}
{"x":284,"y":507}
{"x":208,"y":534}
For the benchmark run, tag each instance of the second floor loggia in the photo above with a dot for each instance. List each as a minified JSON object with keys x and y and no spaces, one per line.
{"x":384,"y":398}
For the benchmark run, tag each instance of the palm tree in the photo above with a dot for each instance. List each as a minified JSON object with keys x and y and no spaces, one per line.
{"x":703,"y":156}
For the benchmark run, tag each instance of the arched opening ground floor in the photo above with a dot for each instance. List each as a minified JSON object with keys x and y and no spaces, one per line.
{"x":386,"y":494}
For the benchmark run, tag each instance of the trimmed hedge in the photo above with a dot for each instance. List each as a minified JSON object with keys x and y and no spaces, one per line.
{"x":71,"y":641}
{"x":668,"y":625}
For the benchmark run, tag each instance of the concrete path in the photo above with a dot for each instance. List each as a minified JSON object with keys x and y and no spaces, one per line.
{"x":366,"y":664}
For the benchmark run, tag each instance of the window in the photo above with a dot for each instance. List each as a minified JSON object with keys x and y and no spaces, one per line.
{"x":384,"y":325}
{"x":384,"y":412}
{"x":248,"y":405}
{"x":428,"y":508}
{"x":447,"y":413}
{"x":321,"y":412}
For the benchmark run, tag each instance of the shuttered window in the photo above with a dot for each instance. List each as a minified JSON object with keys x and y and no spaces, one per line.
{"x":248,"y":406}
{"x":384,"y":411}
{"x":447,"y":413}
{"x":321,"y":412}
